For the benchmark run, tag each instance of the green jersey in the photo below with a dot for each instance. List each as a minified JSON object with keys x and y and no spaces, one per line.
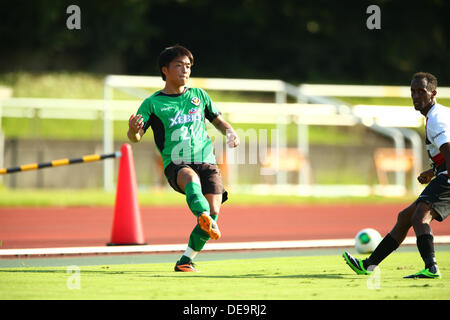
{"x":178,"y":124}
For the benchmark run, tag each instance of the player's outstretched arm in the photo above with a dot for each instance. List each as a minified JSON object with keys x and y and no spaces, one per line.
{"x":135,"y":128}
{"x":227,"y":130}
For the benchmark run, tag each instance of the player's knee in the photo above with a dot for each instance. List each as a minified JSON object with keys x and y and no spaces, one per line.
{"x":404,"y":218}
{"x":185,"y":176}
{"x":420,"y":220}
{"x":422,"y":215}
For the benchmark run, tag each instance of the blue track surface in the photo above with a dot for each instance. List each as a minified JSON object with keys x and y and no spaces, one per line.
{"x":173,"y":257}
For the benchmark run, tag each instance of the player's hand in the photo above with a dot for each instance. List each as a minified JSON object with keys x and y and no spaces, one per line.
{"x":426,"y":176}
{"x":135,"y":123}
{"x":232,"y":139}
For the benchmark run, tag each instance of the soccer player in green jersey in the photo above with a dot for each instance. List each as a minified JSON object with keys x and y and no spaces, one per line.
{"x":177,"y":116}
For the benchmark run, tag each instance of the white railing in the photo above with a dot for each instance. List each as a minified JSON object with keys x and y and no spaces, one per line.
{"x":344,"y":90}
{"x":239,"y":112}
{"x":389,"y":121}
{"x":120,"y":110}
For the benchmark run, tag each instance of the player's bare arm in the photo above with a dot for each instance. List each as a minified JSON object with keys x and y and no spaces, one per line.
{"x":227,"y":130}
{"x":135,"y":128}
{"x":426,"y":176}
{"x":445,"y":151}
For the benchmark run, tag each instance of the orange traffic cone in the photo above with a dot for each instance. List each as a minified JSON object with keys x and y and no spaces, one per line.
{"x":127,"y":224}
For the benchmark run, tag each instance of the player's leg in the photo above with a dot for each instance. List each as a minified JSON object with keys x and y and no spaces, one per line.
{"x":197,"y":240}
{"x":201,"y":233}
{"x":198,"y":237}
{"x":215,"y":202}
{"x":394,"y":238}
{"x":433,"y":204}
{"x":185,"y":180}
{"x":421,"y":220}
{"x":389,"y":243}
{"x":212,"y":188}
{"x":189,"y":183}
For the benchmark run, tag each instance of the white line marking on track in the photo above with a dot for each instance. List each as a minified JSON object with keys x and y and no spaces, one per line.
{"x":327,"y":243}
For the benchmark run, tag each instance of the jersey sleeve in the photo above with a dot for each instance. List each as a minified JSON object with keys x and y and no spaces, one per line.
{"x":440,"y":133}
{"x":145,"y":110}
{"x":211,"y":111}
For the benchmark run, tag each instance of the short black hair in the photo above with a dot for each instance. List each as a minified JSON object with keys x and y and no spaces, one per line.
{"x":431,"y":79}
{"x":169,"y":54}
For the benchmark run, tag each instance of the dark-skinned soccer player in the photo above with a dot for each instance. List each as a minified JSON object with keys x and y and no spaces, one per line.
{"x":434,"y":201}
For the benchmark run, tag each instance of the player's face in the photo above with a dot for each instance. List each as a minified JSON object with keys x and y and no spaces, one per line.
{"x":178,"y":71}
{"x":421,"y":96}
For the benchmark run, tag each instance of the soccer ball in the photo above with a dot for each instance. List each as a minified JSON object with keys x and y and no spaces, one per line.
{"x":367,"y":240}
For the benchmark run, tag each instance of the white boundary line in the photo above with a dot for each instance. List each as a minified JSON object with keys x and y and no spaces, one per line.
{"x":328,"y":243}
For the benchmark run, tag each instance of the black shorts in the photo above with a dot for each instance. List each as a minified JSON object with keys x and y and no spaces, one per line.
{"x":437,"y":193}
{"x":209,"y":174}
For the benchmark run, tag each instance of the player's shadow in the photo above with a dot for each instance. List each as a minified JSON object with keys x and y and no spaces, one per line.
{"x":296,"y":276}
{"x":146,"y":274}
{"x":62,"y":271}
{"x":258,"y":276}
{"x":32,"y":271}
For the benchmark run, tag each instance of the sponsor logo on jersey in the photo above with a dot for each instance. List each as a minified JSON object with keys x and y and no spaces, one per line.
{"x":193,"y":110}
{"x":195,"y":101}
{"x":184,"y":118}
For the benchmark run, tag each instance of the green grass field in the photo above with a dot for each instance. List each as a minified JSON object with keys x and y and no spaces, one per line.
{"x":286,"y":278}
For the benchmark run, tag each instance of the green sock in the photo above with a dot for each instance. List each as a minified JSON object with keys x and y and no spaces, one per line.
{"x":198,"y":237}
{"x":197,"y":240}
{"x":195,"y":199}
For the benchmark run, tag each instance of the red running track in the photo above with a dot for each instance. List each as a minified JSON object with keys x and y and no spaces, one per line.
{"x":91,"y":226}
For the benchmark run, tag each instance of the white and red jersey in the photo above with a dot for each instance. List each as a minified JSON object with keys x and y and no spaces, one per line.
{"x":437,"y":130}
